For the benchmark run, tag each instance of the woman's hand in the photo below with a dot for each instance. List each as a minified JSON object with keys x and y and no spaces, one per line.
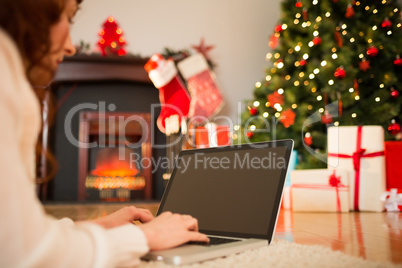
{"x":124,"y":216}
{"x":169,"y":230}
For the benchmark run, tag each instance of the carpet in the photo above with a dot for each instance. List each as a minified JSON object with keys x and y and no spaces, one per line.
{"x":284,"y":254}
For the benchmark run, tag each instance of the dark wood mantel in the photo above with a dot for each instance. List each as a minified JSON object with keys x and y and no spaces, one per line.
{"x":81,"y":68}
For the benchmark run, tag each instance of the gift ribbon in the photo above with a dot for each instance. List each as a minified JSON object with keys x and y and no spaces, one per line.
{"x":357,"y":156}
{"x":333,"y":182}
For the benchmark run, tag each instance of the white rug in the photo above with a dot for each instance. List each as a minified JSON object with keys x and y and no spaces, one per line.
{"x":282,"y":253}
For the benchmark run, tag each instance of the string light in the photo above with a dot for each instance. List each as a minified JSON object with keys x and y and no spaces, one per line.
{"x":331,"y":82}
{"x":277,"y":115}
{"x":319,"y":98}
{"x":258,"y":84}
{"x":354,"y":115}
{"x":284,"y":26}
{"x":298,"y":15}
{"x":301,"y":74}
{"x":321,"y":110}
{"x":256,"y":103}
{"x":296,"y":83}
{"x":310,"y":107}
{"x":374,"y":27}
{"x":294,"y":106}
{"x":352,"y":40}
{"x":252,"y":127}
{"x":315,"y":2}
{"x":357,"y":97}
{"x":314,"y":89}
{"x":265,"y":115}
{"x":318,"y":19}
{"x":236,"y":127}
{"x":389,"y":32}
{"x":381,"y":85}
{"x":351,"y":90}
{"x":316,"y":71}
{"x":305,"y":56}
{"x":361,"y":56}
{"x":296,"y":21}
{"x":268,"y":78}
{"x":280,"y":65}
{"x":311,"y":76}
{"x":336,"y":123}
{"x":334,"y":56}
{"x":375,"y":11}
{"x":328,"y":14}
{"x":277,"y":55}
{"x":315,"y":33}
{"x":297,"y":48}
{"x":280,"y":91}
{"x":377,"y":99}
{"x":344,"y":26}
{"x":323,"y":63}
{"x":268,"y":56}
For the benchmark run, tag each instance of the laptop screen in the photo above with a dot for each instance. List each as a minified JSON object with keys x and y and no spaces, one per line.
{"x":232,"y":191}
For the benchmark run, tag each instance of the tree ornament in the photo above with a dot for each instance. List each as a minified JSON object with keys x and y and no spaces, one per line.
{"x":317,"y":41}
{"x":394,"y":127}
{"x":275,"y":98}
{"x":253,"y":111}
{"x":340,"y":73}
{"x":308,"y":139}
{"x":372,"y":51}
{"x":274,"y":40}
{"x":326,"y":118}
{"x":350,"y":12}
{"x":398,"y":61}
{"x":299,"y":4}
{"x":111,"y":41}
{"x":278,"y":28}
{"x":303,"y":62}
{"x":386,"y":23}
{"x":364,"y":65}
{"x":305,"y":15}
{"x":340,"y":105}
{"x":249,"y":134}
{"x":287,"y":118}
{"x":394,"y":93}
{"x":338,"y":39}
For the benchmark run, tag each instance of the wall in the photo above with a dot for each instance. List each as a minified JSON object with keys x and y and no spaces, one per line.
{"x":238,"y":29}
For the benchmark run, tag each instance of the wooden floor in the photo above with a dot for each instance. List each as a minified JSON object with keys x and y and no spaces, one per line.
{"x":373,"y":236}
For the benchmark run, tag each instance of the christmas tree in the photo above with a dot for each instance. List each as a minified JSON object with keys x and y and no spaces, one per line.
{"x":111,"y":41}
{"x":334,"y":62}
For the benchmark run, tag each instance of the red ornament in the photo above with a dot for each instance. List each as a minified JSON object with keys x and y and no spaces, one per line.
{"x":372,"y":51}
{"x":386,"y":23}
{"x":287,"y":118}
{"x":299,"y":4}
{"x":253,"y":111}
{"x":394,"y":93}
{"x":350,"y":12}
{"x":249,"y":134}
{"x":364,"y":65}
{"x":305,"y":14}
{"x":326,"y":118}
{"x":303,"y":62}
{"x":275,"y":98}
{"x":278,"y":28}
{"x":398,"y":61}
{"x":338,"y":39}
{"x":317,"y":41}
{"x":274,"y":40}
{"x":394,"y":128}
{"x":340,"y":73}
{"x":308,"y":139}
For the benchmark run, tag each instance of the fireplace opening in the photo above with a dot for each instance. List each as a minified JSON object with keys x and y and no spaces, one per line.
{"x":110,"y":169}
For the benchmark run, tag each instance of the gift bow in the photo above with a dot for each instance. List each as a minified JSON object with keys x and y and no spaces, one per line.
{"x":357,"y":156}
{"x":392,"y":200}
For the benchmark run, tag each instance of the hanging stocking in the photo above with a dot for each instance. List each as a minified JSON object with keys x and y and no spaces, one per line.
{"x":173,"y":96}
{"x":206,"y":99}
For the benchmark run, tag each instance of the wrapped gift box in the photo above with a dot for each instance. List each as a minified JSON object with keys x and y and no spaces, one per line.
{"x":360,"y":151}
{"x":212,"y":135}
{"x":392,"y":199}
{"x":320,"y":190}
{"x":393,"y":160}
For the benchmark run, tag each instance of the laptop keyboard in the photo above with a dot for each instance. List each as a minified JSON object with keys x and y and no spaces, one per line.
{"x":213,"y":241}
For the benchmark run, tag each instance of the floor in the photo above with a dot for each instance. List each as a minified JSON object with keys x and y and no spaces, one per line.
{"x":373,"y":236}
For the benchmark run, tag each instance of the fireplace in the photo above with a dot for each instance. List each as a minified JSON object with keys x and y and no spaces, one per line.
{"x":82,"y":86}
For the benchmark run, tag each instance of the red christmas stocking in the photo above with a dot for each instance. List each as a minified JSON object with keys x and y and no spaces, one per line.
{"x":206,"y":100}
{"x":173,"y":96}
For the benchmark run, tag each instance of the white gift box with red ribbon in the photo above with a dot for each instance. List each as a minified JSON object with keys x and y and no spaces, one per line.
{"x":320,"y":190}
{"x":360,"y":151}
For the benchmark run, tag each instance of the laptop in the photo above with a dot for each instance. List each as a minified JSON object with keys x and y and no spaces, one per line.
{"x":234,"y":191}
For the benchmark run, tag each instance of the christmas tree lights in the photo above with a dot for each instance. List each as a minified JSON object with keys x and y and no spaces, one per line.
{"x":334,"y":62}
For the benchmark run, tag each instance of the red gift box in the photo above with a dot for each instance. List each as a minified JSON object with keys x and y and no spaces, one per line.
{"x":211,"y":136}
{"x":393,"y":158}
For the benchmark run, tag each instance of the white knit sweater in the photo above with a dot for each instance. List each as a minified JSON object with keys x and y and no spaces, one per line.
{"x":28,"y":237}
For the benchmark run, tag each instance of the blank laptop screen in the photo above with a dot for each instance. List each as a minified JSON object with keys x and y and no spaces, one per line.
{"x":231,"y":192}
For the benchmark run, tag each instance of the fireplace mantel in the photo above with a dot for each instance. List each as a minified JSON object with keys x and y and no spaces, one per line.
{"x":81,"y":68}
